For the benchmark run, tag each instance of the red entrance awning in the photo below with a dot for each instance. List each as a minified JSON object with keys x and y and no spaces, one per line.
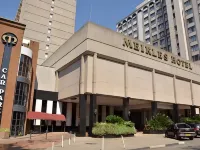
{"x":45,"y":116}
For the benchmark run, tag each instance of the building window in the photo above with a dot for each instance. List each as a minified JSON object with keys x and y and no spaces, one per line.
{"x":148,"y":40}
{"x":46,"y":55}
{"x":49,"y":30}
{"x":52,"y":8}
{"x":190,"y":20}
{"x":162,"y":42}
{"x":21,"y":94}
{"x":47,"y":46}
{"x":193,"y":38}
{"x":53,"y":1}
{"x":50,"y":23}
{"x":195,"y":47}
{"x":154,"y":29}
{"x":51,"y":16}
{"x":17,"y":127}
{"x":189,"y":11}
{"x":25,"y":66}
{"x":152,"y":15}
{"x":191,"y":29}
{"x":48,"y":38}
{"x":187,"y":3}
{"x":195,"y":57}
{"x":155,"y":44}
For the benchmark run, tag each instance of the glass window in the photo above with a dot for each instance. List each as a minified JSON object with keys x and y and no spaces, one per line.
{"x":190,"y":20}
{"x":193,"y":38}
{"x":21,"y":93}
{"x":191,"y":29}
{"x":17,"y":127}
{"x":195,"y":57}
{"x":195,"y":47}
{"x":189,"y":11}
{"x":25,"y":66}
{"x":187,"y":3}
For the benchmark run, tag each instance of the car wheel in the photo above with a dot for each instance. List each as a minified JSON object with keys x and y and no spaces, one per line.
{"x":191,"y":138}
{"x":177,"y":137}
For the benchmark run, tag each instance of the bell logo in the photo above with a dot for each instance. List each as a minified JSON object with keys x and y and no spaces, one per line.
{"x":9,"y":38}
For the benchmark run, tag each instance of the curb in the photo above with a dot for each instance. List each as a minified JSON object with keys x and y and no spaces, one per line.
{"x":159,"y":146}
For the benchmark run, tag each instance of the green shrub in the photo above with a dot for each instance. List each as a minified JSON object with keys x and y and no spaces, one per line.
{"x":195,"y":119}
{"x":4,"y":130}
{"x":129,"y":124}
{"x":114,"y":119}
{"x":102,"y":129}
{"x":158,"y":122}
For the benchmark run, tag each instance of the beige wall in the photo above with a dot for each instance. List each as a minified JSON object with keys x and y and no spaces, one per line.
{"x":45,"y":78}
{"x":69,"y":79}
{"x":140,"y":83}
{"x":164,"y":88}
{"x":110,"y":78}
{"x":183,"y":92}
{"x":196,"y":94}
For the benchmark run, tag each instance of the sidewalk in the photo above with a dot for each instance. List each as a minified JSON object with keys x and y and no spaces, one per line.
{"x":38,"y":141}
{"x":138,"y":142}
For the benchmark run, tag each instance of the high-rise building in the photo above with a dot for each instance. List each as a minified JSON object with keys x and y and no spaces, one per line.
{"x":50,"y":22}
{"x":168,"y":24}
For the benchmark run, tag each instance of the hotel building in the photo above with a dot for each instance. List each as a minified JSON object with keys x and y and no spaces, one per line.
{"x":172,"y":25}
{"x":99,"y":72}
{"x":49,"y":22}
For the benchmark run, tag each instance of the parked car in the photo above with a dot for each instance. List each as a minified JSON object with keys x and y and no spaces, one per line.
{"x":196,"y":128}
{"x":180,"y":130}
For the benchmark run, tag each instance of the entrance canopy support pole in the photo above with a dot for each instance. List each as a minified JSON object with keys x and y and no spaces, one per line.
{"x":126,"y":109}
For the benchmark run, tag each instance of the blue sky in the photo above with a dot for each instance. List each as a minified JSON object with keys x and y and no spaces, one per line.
{"x":104,"y":12}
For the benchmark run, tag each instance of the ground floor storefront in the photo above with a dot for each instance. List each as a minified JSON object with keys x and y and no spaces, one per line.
{"x":83,"y":111}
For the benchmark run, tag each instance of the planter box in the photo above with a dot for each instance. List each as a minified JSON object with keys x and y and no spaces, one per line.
{"x":153,"y":131}
{"x":4,"y":135}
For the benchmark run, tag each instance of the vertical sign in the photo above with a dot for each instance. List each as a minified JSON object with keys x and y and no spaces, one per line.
{"x":9,"y":40}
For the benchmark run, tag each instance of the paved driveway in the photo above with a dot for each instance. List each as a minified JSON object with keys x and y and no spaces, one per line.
{"x":139,"y":141}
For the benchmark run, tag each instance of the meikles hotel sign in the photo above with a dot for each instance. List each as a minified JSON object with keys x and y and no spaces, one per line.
{"x":156,"y":54}
{"x":9,"y":40}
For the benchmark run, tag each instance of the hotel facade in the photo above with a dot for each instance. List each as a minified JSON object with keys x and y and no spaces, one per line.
{"x":96,"y":73}
{"x":99,"y":72}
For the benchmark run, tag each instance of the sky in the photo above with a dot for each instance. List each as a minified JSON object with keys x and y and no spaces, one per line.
{"x":103,"y":12}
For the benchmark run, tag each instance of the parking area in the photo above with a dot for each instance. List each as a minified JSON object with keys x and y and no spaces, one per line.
{"x":137,"y":142}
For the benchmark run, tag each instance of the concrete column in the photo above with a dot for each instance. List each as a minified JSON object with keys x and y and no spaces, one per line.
{"x":94,"y":73}
{"x":125,"y":109}
{"x":154,"y":108}
{"x":69,"y":115}
{"x":59,"y":111}
{"x":82,"y":75}
{"x":193,"y":111}
{"x":175,"y":113}
{"x":174,"y":84}
{"x":103,"y":114}
{"x":111,"y":110}
{"x":56,"y":85}
{"x":49,"y":109}
{"x":38,"y":108}
{"x":82,"y":103}
{"x":154,"y":85}
{"x":93,"y":112}
{"x":126,"y":78}
{"x":77,"y":114}
{"x":192,"y":94}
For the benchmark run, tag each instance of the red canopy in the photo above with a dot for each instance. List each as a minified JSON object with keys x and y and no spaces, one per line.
{"x":45,"y":116}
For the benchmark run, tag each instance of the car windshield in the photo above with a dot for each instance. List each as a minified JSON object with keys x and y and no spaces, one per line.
{"x":183,"y":126}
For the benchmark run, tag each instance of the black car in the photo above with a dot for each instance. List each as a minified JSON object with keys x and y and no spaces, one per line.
{"x":180,"y":130}
{"x":196,"y":128}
